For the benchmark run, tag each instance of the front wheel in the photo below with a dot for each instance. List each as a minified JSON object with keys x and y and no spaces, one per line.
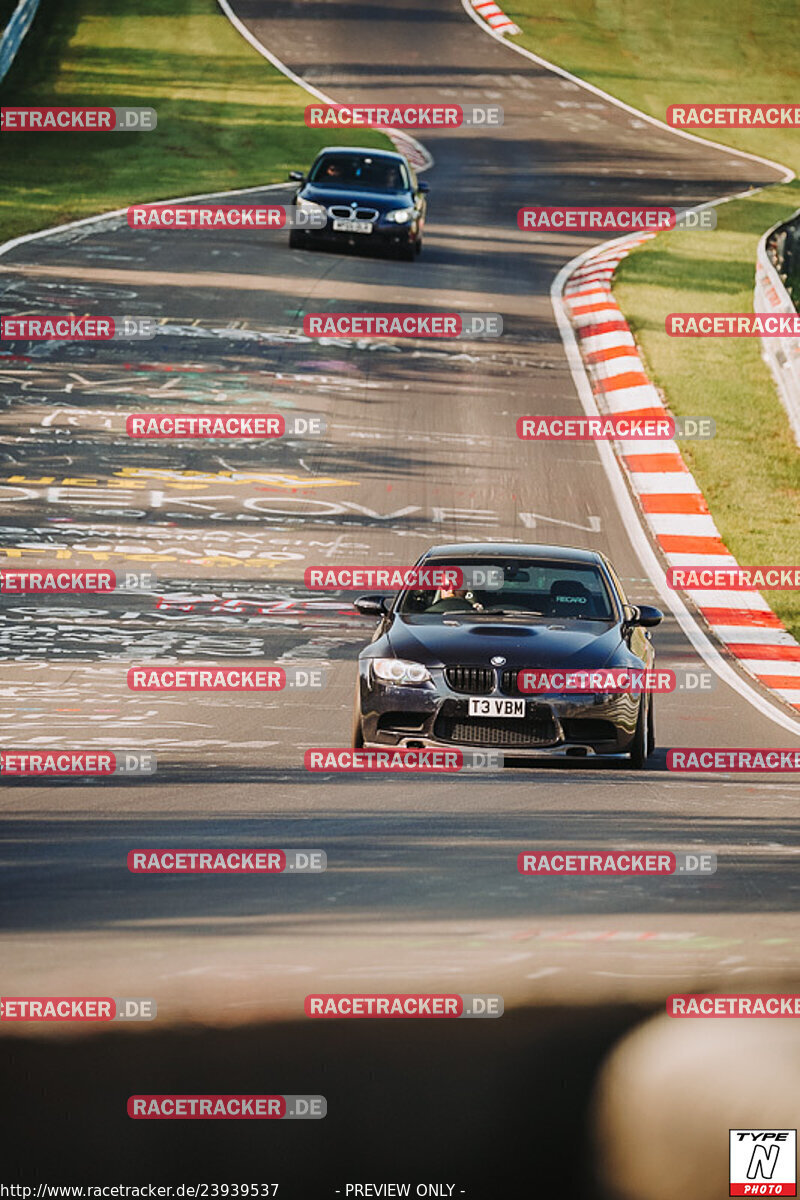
{"x":296,"y":240}
{"x":357,"y":738}
{"x":640,"y":749}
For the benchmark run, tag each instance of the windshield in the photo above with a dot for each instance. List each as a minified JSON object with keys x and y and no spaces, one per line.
{"x":360,"y":171}
{"x":530,"y":587}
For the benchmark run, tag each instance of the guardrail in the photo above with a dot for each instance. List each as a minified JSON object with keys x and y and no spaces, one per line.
{"x":778,"y":269}
{"x":14,"y":32}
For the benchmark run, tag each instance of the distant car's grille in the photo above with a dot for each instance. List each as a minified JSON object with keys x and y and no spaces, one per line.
{"x":342,"y":211}
{"x":475,"y":681}
{"x":537,"y":728}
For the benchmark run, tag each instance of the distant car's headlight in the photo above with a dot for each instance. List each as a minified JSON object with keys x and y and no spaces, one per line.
{"x":399,"y":670}
{"x":400,"y":216}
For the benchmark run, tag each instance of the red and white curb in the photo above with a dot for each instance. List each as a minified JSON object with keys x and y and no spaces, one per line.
{"x":673,"y":507}
{"x":494,"y":16}
{"x":417,"y":154}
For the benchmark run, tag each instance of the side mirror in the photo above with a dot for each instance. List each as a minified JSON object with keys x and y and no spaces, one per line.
{"x":423,"y":185}
{"x":371,"y":606}
{"x":642,"y":616}
{"x":297,"y":176}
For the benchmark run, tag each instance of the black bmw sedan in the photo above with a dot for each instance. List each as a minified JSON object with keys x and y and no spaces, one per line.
{"x":451,"y":666}
{"x":372,"y":199}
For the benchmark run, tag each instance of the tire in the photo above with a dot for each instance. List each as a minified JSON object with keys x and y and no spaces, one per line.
{"x":639,"y":751}
{"x":357,"y":738}
{"x":296,"y":240}
{"x":418,"y":247}
{"x":651,"y":728}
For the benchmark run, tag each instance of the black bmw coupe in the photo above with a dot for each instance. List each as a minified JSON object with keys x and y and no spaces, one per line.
{"x":448,"y":667}
{"x":372,"y":199}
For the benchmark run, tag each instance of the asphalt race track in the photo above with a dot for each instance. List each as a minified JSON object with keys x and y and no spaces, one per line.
{"x":422,"y":889}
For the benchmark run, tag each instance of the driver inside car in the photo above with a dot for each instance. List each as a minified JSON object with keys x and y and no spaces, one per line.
{"x":454,"y":600}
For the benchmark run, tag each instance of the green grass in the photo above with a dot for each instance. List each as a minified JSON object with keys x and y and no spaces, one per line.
{"x":652,"y":55}
{"x":226,"y":118}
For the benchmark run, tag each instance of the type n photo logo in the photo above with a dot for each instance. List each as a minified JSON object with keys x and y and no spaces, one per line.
{"x":763,"y":1162}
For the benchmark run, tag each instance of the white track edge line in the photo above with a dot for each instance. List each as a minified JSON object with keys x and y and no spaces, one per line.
{"x":789,"y":174}
{"x":120,"y":212}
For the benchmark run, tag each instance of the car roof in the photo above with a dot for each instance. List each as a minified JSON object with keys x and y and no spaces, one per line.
{"x":373,"y":153}
{"x":514,"y":550}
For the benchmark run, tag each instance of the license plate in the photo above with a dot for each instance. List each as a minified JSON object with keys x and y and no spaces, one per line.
{"x":492,"y":706}
{"x":345,"y":226}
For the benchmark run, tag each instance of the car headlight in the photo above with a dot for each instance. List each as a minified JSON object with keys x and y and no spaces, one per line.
{"x":400,"y":216}
{"x":399,"y":670}
{"x":310,"y":205}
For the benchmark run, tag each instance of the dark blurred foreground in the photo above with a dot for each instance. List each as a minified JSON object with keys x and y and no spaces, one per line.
{"x":489,"y":1105}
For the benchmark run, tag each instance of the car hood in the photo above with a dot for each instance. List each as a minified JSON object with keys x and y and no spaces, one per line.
{"x":383,"y":201}
{"x":474,"y":643}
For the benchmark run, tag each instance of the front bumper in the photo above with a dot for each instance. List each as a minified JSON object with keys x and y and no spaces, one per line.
{"x":383,"y":237}
{"x":433,"y":716}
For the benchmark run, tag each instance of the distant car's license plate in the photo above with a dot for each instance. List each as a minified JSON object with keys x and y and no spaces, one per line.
{"x":346,"y":226}
{"x":492,"y":706}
